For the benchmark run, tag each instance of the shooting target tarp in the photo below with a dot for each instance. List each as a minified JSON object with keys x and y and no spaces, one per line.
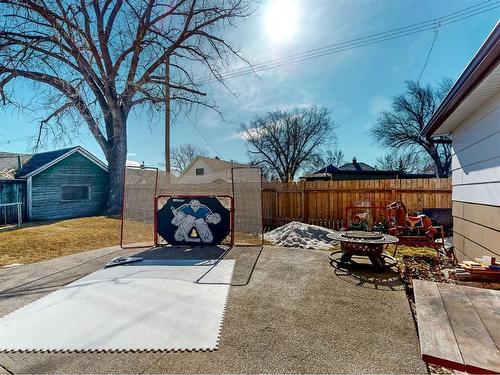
{"x":193,"y":221}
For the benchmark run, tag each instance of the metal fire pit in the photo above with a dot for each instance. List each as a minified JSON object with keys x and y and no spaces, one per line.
{"x":358,"y":243}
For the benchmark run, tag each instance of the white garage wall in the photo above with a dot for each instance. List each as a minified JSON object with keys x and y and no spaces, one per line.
{"x":476,"y":183}
{"x":476,"y":157}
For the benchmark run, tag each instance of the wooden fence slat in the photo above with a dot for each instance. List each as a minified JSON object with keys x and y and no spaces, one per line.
{"x":327,"y":200}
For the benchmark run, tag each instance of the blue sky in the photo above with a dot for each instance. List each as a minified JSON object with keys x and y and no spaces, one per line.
{"x":355,"y":85}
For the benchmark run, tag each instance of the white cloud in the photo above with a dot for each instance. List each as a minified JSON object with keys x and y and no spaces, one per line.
{"x":132,"y":163}
{"x":131,"y":154}
{"x":244,"y":135}
{"x":252,"y":133}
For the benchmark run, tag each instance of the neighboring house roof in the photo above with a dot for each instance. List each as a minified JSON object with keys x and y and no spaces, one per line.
{"x":357,"y":167}
{"x":218,"y":165}
{"x":9,"y":163}
{"x":360,"y":169}
{"x":478,"y":83}
{"x":347,"y":167}
{"x":218,"y":169}
{"x":41,"y":161}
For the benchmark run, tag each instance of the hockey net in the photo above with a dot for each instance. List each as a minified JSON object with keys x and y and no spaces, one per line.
{"x":140,"y":189}
{"x":148,"y":190}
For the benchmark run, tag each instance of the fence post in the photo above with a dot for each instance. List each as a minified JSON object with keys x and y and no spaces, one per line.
{"x":302,"y":200}
{"x":19,"y":214}
{"x":276,"y":205}
{"x":305,"y":213}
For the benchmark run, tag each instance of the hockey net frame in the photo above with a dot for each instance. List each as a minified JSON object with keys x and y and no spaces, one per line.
{"x":243,"y":186}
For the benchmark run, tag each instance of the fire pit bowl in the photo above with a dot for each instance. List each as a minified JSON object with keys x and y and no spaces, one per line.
{"x":370,"y":244}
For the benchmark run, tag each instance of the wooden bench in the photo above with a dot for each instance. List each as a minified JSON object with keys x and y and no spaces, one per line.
{"x":458,"y":326}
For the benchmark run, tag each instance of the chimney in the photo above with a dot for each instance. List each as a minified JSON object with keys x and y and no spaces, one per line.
{"x":19,"y":162}
{"x":355,"y":164}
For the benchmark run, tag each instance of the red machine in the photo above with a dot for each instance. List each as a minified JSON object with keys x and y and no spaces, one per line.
{"x":413,"y":230}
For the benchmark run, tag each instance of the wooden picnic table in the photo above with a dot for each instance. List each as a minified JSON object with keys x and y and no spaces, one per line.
{"x":458,"y":326}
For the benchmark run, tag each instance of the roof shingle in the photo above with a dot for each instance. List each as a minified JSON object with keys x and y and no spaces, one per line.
{"x":41,"y":159}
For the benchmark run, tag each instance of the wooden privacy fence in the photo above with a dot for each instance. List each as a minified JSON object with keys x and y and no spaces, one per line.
{"x":325,"y":202}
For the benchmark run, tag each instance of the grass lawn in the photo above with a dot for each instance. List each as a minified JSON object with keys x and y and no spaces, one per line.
{"x":409,"y":250}
{"x":405,"y":250}
{"x":36,"y":241}
{"x":45,"y":240}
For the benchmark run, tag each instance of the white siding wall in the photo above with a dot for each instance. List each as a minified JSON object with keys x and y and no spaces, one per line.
{"x":476,"y":183}
{"x":476,"y":157}
{"x":209,"y":175}
{"x":199,"y":164}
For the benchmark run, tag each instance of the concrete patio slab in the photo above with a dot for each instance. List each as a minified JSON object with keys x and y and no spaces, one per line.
{"x":296,"y":315}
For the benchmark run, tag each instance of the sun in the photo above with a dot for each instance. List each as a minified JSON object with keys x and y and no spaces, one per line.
{"x":281,"y":20}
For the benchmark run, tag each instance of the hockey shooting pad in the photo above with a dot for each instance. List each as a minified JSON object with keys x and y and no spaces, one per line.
{"x":153,"y":305}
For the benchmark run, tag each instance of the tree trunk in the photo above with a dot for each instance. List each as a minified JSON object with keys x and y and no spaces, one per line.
{"x":116,"y":156}
{"x":434,"y":154}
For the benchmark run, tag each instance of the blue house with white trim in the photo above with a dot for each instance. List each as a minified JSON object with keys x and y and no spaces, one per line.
{"x":63,"y":184}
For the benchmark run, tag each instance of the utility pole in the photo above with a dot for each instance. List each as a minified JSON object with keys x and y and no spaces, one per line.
{"x":167,"y":115}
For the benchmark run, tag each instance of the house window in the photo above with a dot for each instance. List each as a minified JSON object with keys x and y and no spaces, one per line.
{"x":200,"y":171}
{"x":75,"y":193}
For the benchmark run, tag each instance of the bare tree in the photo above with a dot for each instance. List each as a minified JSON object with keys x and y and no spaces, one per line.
{"x":400,"y":128}
{"x":335,"y":157}
{"x":406,"y":162}
{"x":183,"y":155}
{"x":323,"y":159}
{"x":332,"y":157}
{"x":284,"y":142}
{"x":96,"y":60}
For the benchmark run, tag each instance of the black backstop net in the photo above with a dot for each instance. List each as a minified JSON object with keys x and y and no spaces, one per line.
{"x":218,"y":207}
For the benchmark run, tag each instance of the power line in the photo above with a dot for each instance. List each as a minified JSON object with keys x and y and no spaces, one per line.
{"x":429,"y":53}
{"x":362,"y":41}
{"x":327,"y":51}
{"x":202,"y":136}
{"x":368,"y":40}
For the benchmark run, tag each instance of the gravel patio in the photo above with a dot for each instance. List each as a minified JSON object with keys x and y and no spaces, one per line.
{"x":295,"y":314}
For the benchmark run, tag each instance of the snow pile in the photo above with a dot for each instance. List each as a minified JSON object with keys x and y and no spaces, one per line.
{"x":301,"y":235}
